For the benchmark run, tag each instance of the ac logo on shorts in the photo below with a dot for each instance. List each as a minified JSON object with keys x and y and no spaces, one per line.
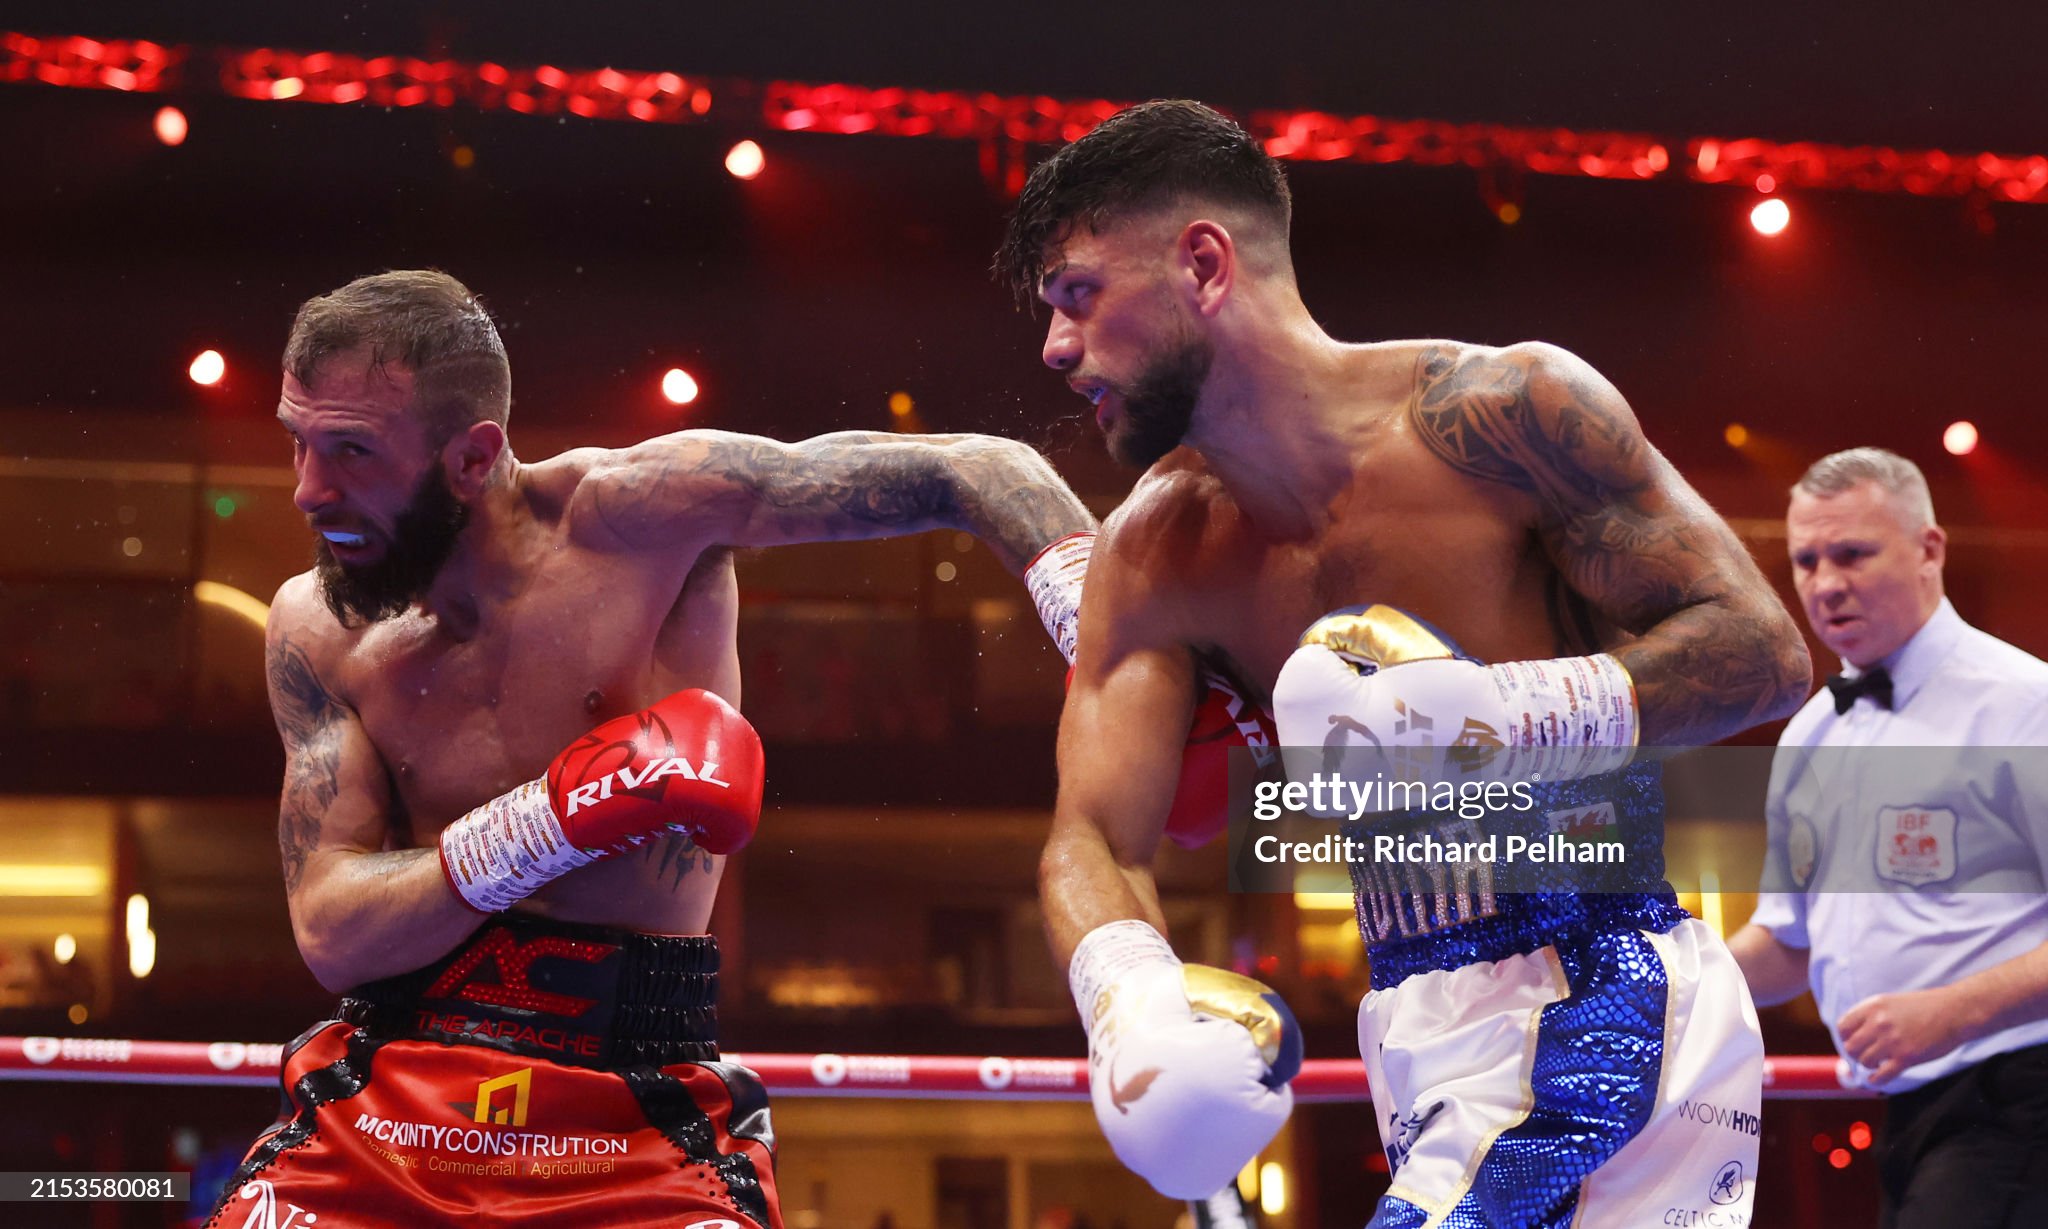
{"x":513,"y":959}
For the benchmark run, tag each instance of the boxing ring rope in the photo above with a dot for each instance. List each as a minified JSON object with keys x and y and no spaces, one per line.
{"x":913,"y":1076}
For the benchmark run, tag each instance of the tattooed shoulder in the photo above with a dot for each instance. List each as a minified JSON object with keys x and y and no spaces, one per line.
{"x":1532,"y":417}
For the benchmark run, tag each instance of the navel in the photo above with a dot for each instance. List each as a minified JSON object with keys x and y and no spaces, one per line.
{"x":592,"y":701}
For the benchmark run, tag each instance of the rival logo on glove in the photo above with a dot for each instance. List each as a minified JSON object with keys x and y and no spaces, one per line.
{"x":597,"y":791}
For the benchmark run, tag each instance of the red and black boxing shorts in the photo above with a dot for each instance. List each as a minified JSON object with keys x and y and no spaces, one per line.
{"x":542,"y":1074}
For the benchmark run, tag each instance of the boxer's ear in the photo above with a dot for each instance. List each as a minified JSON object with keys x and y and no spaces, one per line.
{"x":1206,"y":257}
{"x":470,"y":455}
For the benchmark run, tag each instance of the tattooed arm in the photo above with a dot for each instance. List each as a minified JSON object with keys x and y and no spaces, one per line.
{"x":1715,"y":650}
{"x":359,"y":912}
{"x":743,"y":490}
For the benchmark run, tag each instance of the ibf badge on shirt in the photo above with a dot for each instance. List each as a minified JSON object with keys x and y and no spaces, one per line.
{"x":1916,"y":845}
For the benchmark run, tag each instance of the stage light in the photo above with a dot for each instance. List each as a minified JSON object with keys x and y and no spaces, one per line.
{"x":1737,"y":435}
{"x":235,"y":601}
{"x":1329,"y":902}
{"x":1839,"y":1158}
{"x":171,"y":126}
{"x":142,"y":954}
{"x":1509,"y":213}
{"x":66,"y":949}
{"x":141,"y":939}
{"x":1767,"y":182}
{"x":207,"y":368}
{"x":1960,"y":439}
{"x":901,"y":405}
{"x":463,"y":157}
{"x":21,"y":879}
{"x":287,"y":87}
{"x":745,"y":160}
{"x":1770,"y":217}
{"x":678,"y":386}
{"x":1859,"y":1135}
{"x":1272,"y":1188}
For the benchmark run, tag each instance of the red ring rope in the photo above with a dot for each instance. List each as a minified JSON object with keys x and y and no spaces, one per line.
{"x":229,"y":1063}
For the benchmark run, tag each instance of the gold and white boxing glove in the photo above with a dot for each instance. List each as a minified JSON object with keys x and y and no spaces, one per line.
{"x":1375,"y":690}
{"x":1188,"y":1066}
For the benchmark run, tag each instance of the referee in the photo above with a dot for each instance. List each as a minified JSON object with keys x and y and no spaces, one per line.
{"x":1906,"y":884}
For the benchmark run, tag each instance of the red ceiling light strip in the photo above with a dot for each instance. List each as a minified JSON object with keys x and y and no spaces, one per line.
{"x":1317,"y":137}
{"x":404,"y":81}
{"x":118,"y":65}
{"x":1032,"y":120}
{"x":1867,"y":168}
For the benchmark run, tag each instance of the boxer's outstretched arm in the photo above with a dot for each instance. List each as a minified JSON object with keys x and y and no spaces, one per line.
{"x":1121,"y":738}
{"x":359,"y":912}
{"x":745,"y":490}
{"x":1715,"y":650}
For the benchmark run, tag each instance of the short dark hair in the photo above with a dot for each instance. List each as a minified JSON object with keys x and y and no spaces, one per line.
{"x":425,"y":320}
{"x":1141,"y":156}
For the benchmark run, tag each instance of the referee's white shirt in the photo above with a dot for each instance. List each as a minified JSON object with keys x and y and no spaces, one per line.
{"x":1907,"y":870}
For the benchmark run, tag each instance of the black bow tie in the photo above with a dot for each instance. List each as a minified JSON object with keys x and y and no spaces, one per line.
{"x":1875,"y":682}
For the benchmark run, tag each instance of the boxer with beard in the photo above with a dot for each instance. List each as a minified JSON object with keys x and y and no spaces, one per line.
{"x":1311,"y":513}
{"x":423,"y":535}
{"x":514,"y":763}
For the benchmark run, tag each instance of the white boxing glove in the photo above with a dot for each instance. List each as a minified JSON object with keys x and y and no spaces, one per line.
{"x":1375,"y":690}
{"x":1187,"y":1065}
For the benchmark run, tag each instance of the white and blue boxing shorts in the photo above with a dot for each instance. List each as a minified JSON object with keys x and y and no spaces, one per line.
{"x":1612,"y":1078}
{"x":1567,"y":1060}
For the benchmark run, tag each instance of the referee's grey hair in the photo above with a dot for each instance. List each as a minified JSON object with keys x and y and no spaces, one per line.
{"x":1894,"y":474}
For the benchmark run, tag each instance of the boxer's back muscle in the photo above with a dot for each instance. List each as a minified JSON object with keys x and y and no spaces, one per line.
{"x":589,"y":632}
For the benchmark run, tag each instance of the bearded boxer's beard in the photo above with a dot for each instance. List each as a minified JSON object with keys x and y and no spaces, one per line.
{"x":1160,"y":404}
{"x":422,"y":537}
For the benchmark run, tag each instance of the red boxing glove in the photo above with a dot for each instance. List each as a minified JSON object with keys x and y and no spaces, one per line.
{"x":689,"y":763}
{"x":1224,"y":721}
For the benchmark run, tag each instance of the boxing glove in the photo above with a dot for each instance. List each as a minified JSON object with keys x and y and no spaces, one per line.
{"x":1188,"y":1066}
{"x":688,"y":764}
{"x":1375,"y":690}
{"x":1224,"y":720}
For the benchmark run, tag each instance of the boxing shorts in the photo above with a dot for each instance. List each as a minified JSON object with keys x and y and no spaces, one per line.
{"x":541,"y":1074}
{"x":1572,"y":1052}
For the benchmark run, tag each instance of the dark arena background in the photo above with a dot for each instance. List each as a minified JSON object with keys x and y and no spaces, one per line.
{"x":1780,"y":230}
